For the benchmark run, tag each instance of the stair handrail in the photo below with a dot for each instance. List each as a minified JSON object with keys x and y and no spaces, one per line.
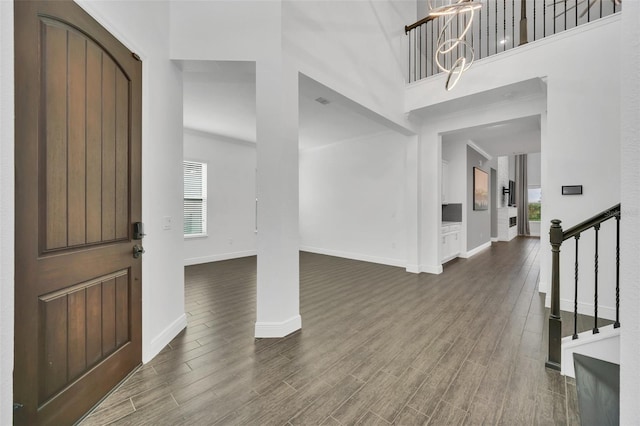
{"x":556,"y":238}
{"x":591,"y":222}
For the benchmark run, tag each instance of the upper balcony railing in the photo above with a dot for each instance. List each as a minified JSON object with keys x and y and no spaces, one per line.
{"x":498,"y":26}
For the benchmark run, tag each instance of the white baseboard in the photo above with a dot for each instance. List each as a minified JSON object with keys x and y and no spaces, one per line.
{"x":544,"y":287}
{"x":218,"y":257}
{"x":163,"y":339}
{"x":278,"y":329}
{"x":431,"y":269}
{"x":356,"y":256}
{"x":413,"y":269}
{"x":476,"y":250}
{"x":494,"y":239}
{"x":606,"y":312}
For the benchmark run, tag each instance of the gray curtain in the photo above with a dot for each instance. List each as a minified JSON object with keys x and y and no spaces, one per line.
{"x":522,"y":194}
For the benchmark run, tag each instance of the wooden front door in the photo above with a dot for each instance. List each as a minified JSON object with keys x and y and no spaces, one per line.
{"x":78,"y":193}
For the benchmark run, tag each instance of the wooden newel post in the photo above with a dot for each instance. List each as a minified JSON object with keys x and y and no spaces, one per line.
{"x":555,"y":322}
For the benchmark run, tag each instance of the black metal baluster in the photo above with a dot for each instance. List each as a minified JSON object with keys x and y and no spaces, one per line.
{"x":617,"y":323}
{"x":415,"y":62}
{"x":534,"y":21}
{"x":544,"y":18}
{"x":576,"y":7}
{"x":433,"y":48}
{"x":554,"y":16}
{"x":420,"y":52}
{"x":488,"y":50}
{"x":480,"y":34}
{"x":409,"y":64}
{"x":565,"y":14}
{"x":513,"y":23}
{"x":504,"y":25}
{"x":575,"y":299}
{"x":595,"y":297}
{"x":496,"y":26}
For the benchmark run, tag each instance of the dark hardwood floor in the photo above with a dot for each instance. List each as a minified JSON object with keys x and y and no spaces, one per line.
{"x":378,"y":346}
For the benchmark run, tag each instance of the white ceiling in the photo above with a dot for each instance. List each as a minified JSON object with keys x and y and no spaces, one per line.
{"x":520,"y":136}
{"x":220,"y":98}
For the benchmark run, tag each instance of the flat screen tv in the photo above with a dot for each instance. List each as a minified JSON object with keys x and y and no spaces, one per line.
{"x":512,"y":193}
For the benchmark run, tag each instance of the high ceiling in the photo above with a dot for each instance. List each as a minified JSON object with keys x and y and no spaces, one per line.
{"x":220,"y":99}
{"x":520,"y":136}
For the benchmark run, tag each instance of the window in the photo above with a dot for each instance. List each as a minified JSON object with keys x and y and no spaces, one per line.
{"x":195,"y":199}
{"x":535,"y":203}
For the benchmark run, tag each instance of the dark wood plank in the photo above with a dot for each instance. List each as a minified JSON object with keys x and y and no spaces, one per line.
{"x":54,"y":365}
{"x":108,"y":316}
{"x":77,"y":333}
{"x":376,"y":347}
{"x":122,"y":310}
{"x":76,"y":106}
{"x":108,"y":149}
{"x":94,"y":144}
{"x":122,"y":156}
{"x":56,"y":137}
{"x":94,"y":324}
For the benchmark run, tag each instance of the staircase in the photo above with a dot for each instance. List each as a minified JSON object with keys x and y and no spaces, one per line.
{"x":604,"y":346}
{"x":586,"y":355}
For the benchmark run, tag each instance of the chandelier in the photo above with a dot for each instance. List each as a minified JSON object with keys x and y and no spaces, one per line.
{"x":450,"y":38}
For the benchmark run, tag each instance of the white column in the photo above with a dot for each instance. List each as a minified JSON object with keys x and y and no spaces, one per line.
{"x":412,"y":197}
{"x":278,"y":278}
{"x":630,"y":222}
{"x":430,"y":199}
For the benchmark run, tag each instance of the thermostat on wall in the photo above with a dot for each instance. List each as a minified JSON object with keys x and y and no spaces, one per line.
{"x":572,"y":190}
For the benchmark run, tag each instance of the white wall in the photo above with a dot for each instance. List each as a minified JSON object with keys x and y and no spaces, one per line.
{"x":142,"y":26}
{"x":434,"y":126}
{"x":6,"y":211}
{"x":630,"y":244}
{"x":358,"y":46}
{"x":478,"y":221}
{"x":455,"y":152}
{"x":231,"y":187}
{"x":582,"y":124}
{"x":352,"y":199}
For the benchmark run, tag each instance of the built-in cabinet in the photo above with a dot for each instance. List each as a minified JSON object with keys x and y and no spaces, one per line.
{"x":450,"y":241}
{"x":445,"y":182}
{"x":507,"y":223}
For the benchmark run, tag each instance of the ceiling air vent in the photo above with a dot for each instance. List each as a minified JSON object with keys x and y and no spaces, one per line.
{"x":322,"y":100}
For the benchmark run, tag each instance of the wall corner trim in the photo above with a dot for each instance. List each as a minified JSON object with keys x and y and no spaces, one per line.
{"x":218,"y":257}
{"x":476,"y":250}
{"x":413,"y":269}
{"x":278,"y":329}
{"x":431,"y":269}
{"x":163,"y":339}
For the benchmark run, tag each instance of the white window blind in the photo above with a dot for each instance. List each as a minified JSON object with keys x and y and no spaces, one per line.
{"x":195,"y":198}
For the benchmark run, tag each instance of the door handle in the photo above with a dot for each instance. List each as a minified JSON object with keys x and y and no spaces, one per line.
{"x":137,"y":251}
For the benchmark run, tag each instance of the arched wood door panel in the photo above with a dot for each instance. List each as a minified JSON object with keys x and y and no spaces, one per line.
{"x":78,"y":154}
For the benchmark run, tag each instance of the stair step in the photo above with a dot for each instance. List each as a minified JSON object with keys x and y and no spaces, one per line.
{"x":605,"y":346}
